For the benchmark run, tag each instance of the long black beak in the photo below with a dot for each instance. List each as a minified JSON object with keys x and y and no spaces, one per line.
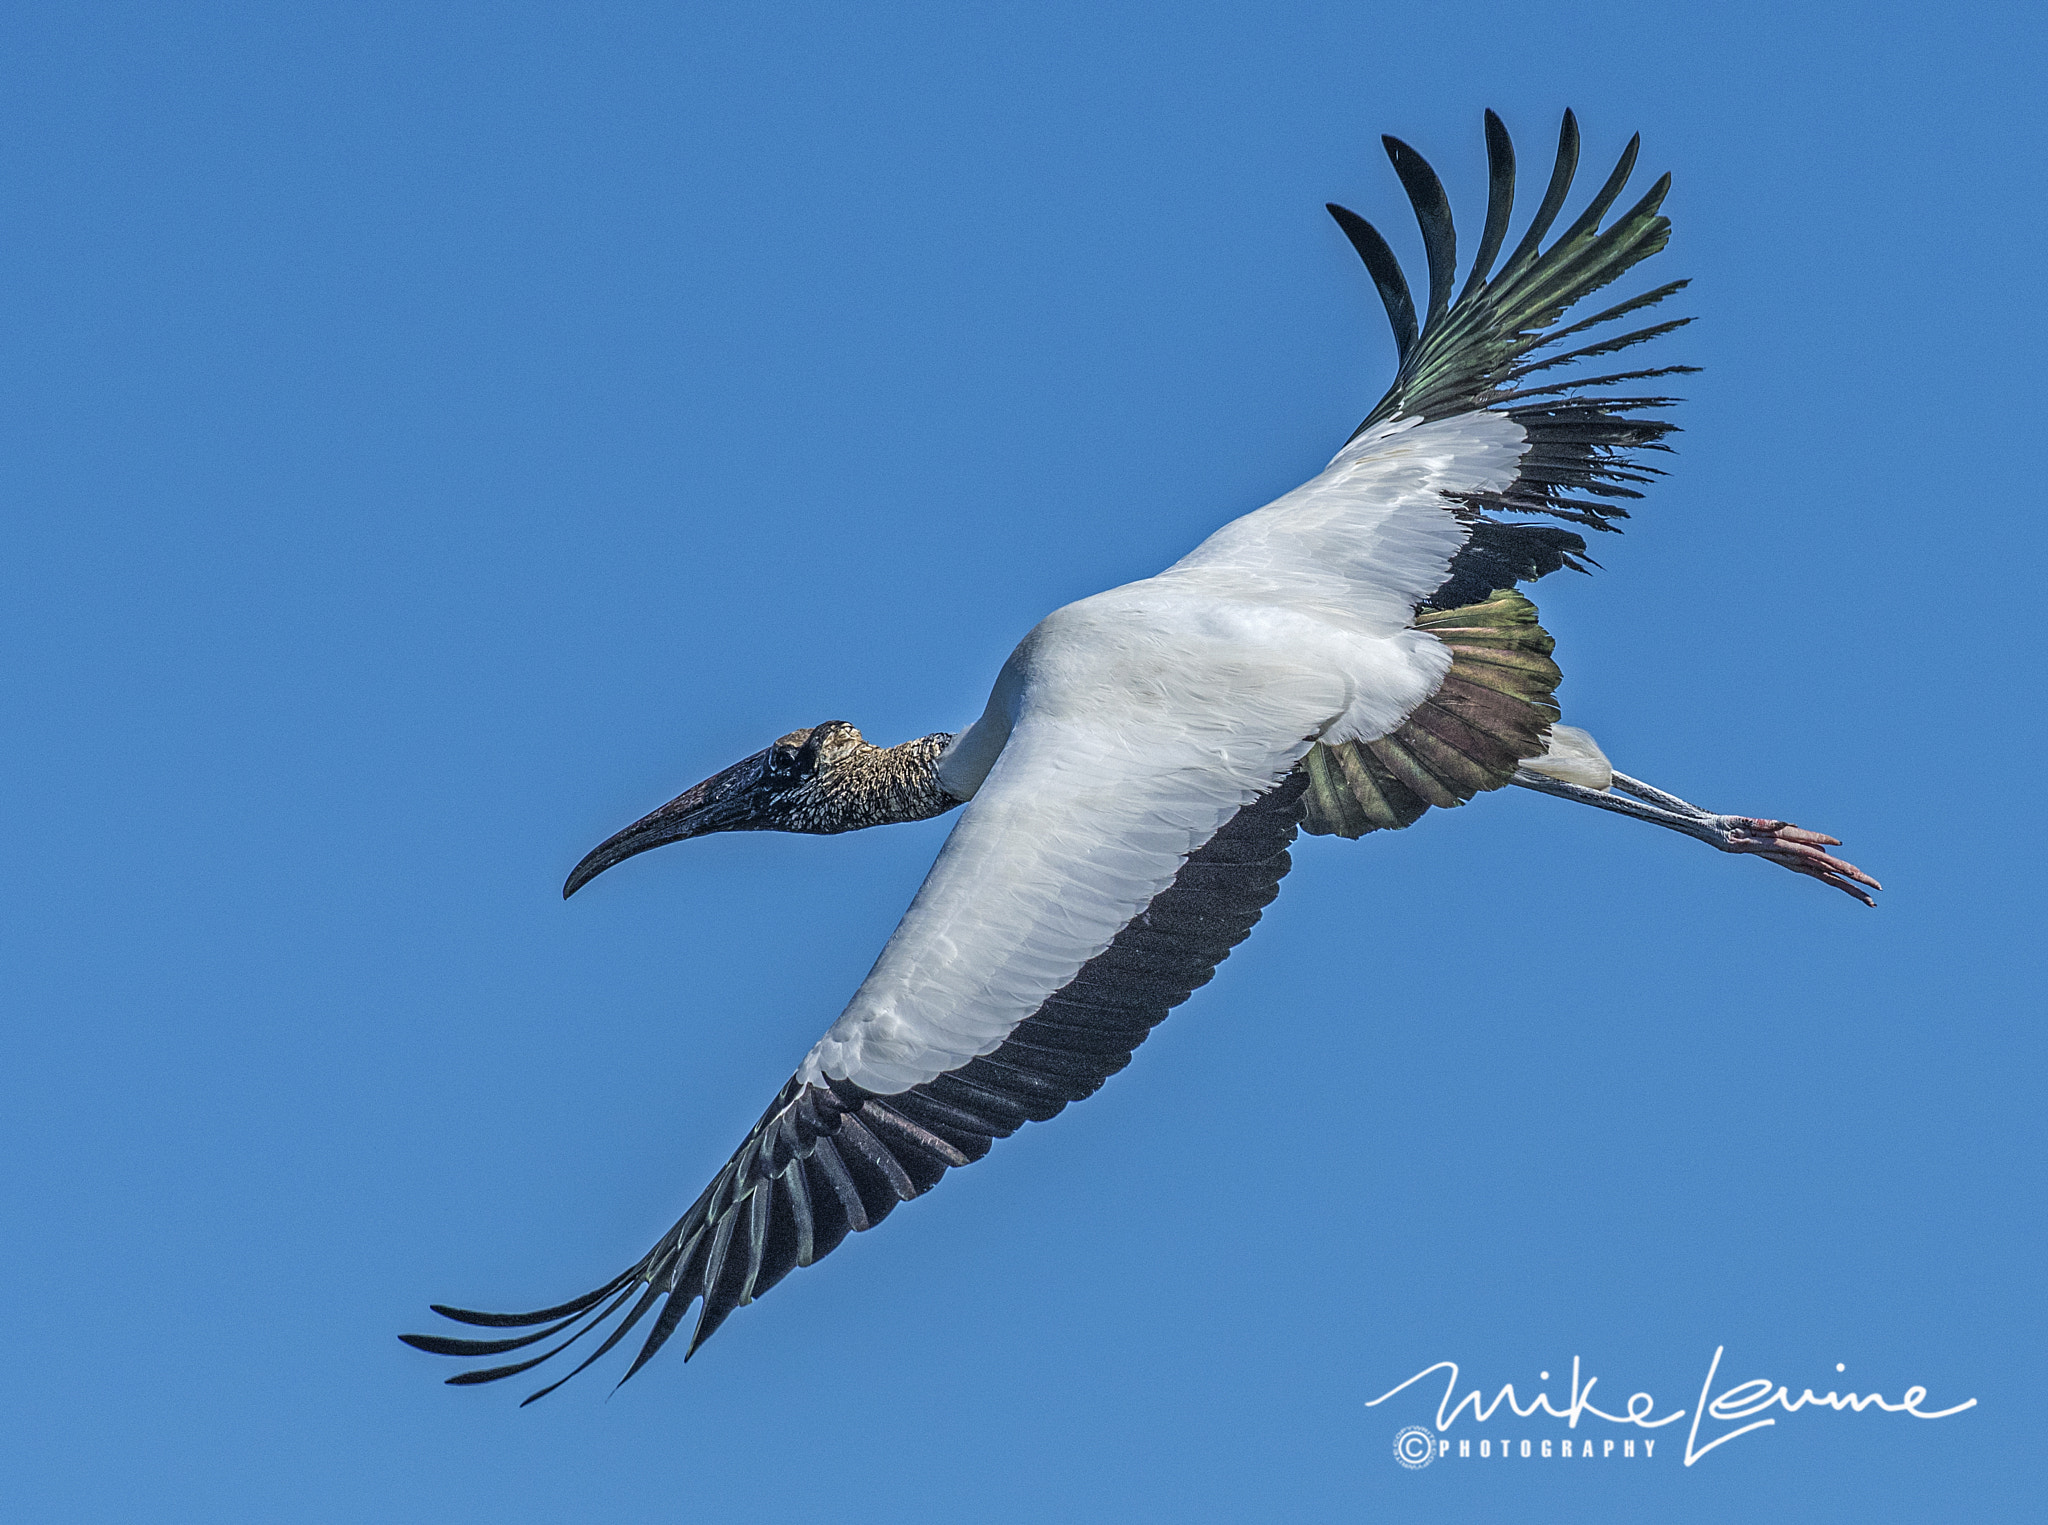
{"x":728,"y":801}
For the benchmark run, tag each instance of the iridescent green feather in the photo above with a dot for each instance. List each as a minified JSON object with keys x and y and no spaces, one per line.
{"x":1490,"y":713}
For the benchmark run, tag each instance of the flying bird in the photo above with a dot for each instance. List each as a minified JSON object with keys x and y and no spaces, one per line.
{"x":1339,"y":661}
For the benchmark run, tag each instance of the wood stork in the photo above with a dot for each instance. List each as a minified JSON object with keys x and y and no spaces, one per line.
{"x":1341,"y":660}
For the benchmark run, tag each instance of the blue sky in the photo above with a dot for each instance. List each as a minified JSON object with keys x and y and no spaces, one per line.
{"x":437,"y":434}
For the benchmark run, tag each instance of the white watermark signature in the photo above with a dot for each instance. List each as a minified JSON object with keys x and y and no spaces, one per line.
{"x":1722,"y":1413}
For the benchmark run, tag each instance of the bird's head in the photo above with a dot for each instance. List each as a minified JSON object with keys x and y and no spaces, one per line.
{"x":823,"y":780}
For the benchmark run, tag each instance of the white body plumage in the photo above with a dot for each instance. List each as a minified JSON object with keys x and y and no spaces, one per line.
{"x":1127,"y":727}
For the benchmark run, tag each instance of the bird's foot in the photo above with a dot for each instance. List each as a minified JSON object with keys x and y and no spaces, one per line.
{"x":1795,"y":848}
{"x":1779,"y":842}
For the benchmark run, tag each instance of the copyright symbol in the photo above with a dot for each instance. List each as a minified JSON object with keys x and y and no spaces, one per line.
{"x":1415,"y":1447}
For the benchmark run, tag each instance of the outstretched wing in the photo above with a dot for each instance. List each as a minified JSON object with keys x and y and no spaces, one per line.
{"x":1473,"y":443}
{"x":830,"y":1156}
{"x":1127,"y":837}
{"x":1481,"y":353}
{"x":1452,"y":487}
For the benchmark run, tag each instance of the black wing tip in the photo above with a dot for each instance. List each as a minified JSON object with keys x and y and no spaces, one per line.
{"x":540,"y":1315}
{"x":492,"y":1374}
{"x":1534,"y":287}
{"x":515,"y":1320}
{"x":439,"y":1344}
{"x":706,"y":1328}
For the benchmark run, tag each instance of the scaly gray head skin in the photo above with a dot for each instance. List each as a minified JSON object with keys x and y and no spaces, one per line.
{"x":824,"y":780}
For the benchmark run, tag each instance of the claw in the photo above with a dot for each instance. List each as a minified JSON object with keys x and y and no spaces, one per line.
{"x":1795,"y":848}
{"x":1786,"y":831}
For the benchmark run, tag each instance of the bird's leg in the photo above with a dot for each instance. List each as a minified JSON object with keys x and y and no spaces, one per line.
{"x":1779,"y":841}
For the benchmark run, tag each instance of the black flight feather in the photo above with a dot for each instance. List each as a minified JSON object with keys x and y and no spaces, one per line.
{"x":1500,"y":202}
{"x":1433,"y":216}
{"x":1561,"y":173}
{"x":870,"y":1152}
{"x":1386,"y":275}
